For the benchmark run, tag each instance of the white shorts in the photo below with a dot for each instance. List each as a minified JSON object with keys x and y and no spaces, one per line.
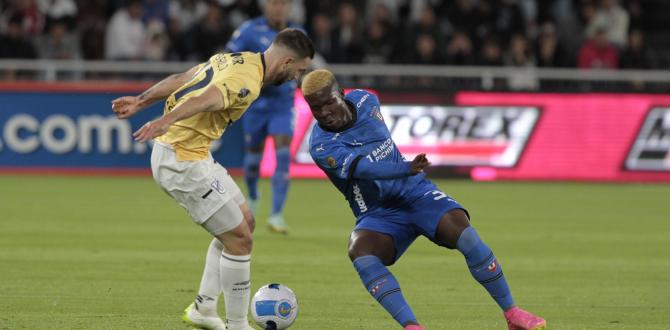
{"x":201,"y":187}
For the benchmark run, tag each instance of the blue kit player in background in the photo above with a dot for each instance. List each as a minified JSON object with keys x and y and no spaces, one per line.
{"x":393,"y":201}
{"x":271,"y":114}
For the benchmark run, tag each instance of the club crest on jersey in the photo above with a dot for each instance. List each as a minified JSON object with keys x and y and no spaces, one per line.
{"x":375,"y":112}
{"x":331,"y":162}
{"x":243,"y":93}
{"x":492,"y":267}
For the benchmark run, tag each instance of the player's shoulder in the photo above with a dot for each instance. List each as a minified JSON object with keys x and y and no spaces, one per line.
{"x":241,"y":68}
{"x":362,"y":99}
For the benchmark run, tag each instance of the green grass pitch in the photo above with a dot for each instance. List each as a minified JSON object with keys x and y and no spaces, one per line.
{"x":117,"y":253}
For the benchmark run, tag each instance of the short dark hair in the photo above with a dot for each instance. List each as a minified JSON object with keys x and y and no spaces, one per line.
{"x":297,"y":41}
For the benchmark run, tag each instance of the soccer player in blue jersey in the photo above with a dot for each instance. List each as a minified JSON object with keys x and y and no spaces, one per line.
{"x":393,"y":201}
{"x":271,"y":114}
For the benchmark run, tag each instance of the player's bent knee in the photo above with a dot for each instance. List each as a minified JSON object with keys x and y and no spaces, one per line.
{"x":364,"y":243}
{"x":238,"y":241}
{"x":452,"y":224}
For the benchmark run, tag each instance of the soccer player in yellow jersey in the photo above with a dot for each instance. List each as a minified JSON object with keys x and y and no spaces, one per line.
{"x":200,"y":104}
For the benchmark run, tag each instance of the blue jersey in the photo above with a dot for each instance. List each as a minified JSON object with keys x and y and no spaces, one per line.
{"x":338,"y":154}
{"x":256,"y":35}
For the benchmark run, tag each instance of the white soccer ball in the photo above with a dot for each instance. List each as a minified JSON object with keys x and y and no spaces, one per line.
{"x":274,"y":307}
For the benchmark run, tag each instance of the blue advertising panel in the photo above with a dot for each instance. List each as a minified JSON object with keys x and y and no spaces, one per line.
{"x":77,"y":129}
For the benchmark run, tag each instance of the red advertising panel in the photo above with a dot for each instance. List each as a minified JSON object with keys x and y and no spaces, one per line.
{"x":586,"y":137}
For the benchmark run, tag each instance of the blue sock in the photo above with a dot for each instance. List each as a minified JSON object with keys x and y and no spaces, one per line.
{"x":382,"y":285}
{"x":484,"y":267}
{"x":252,"y":164}
{"x":280,"y":180}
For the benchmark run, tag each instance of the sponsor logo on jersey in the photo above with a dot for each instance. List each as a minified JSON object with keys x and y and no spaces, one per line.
{"x":651,"y":149}
{"x":363,"y":99}
{"x":358,"y":197}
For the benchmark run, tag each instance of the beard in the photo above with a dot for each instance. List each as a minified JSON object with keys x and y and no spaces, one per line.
{"x":281,"y":78}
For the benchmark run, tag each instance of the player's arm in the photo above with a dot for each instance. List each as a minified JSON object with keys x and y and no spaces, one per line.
{"x":346,"y":165}
{"x":209,"y":100}
{"x":126,"y":106}
{"x":363,"y":168}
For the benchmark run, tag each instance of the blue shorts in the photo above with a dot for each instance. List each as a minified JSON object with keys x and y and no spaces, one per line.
{"x":405,"y":224}
{"x":259,"y":123}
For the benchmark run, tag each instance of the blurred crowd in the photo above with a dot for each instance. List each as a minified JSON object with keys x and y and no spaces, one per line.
{"x":542,"y":33}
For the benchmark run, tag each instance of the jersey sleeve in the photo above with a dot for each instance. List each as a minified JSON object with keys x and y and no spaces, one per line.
{"x":332,"y":158}
{"x":238,"y":41}
{"x":342,"y":163}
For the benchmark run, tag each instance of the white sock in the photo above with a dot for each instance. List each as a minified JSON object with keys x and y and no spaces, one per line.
{"x":210,"y":285}
{"x":235,"y":280}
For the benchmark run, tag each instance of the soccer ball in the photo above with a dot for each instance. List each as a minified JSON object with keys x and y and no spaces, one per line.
{"x":274,"y":307}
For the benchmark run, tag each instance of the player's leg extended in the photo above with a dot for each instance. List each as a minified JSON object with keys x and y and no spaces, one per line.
{"x":254,"y":139}
{"x":371,"y":252}
{"x":280,"y":182}
{"x":235,"y":267}
{"x":454,"y":232}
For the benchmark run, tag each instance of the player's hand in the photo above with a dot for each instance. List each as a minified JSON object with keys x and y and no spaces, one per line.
{"x":419,"y":163}
{"x":151,"y":130}
{"x":126,"y":106}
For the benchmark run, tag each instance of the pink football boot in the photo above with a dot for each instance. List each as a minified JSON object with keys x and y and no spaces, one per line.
{"x":519,"y":319}
{"x":414,"y":327}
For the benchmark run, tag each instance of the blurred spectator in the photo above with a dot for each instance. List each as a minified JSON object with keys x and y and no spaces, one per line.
{"x":519,"y":53}
{"x":209,"y":36}
{"x":635,"y":13}
{"x":348,"y":35}
{"x":598,"y":53}
{"x":549,"y":50}
{"x":460,"y":50}
{"x":240,"y":10}
{"x":637,"y":55}
{"x":491,"y":53}
{"x":462,"y":15}
{"x":321,"y":35}
{"x":29,"y":16}
{"x":158,"y":10}
{"x":58,"y":43}
{"x":426,"y":51}
{"x":378,"y":44}
{"x":427,"y":24}
{"x":157,"y":42}
{"x":613,"y":19}
{"x":92,"y":25}
{"x":509,"y":19}
{"x":125,"y":35}
{"x":15,"y":43}
{"x":379,"y":11}
{"x":63,"y":11}
{"x":184,"y":14}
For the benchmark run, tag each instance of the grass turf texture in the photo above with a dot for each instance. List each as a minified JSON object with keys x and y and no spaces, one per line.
{"x":117,"y":253}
